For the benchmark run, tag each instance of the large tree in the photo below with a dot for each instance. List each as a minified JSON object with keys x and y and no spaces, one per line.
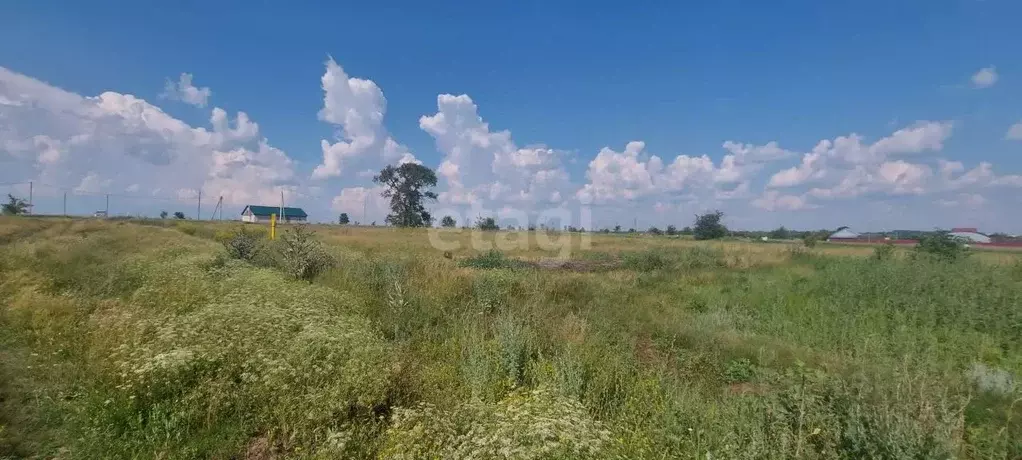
{"x":709,"y":227}
{"x":406,"y":186}
{"x":14,"y":205}
{"x":343,"y":219}
{"x":448,"y":222}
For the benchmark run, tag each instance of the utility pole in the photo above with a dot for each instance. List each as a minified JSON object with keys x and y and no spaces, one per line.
{"x":30,"y":197}
{"x":282,"y":216}
{"x":220,"y":204}
{"x":198,"y":210}
{"x":107,"y":210}
{"x":65,"y":204}
{"x":365,"y":201}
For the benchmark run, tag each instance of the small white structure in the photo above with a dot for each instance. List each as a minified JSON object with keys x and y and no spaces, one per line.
{"x":971,"y":237}
{"x":257,"y":214}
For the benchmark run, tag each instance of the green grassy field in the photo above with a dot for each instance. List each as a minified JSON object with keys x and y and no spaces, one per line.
{"x":124,"y":340}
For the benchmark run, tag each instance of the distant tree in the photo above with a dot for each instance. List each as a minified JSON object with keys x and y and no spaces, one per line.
{"x":405,"y":185}
{"x":343,"y":219}
{"x":686,"y":231}
{"x":709,"y":227}
{"x":532,"y":228}
{"x":617,"y":229}
{"x":179,"y":215}
{"x":14,"y":206}
{"x":780,"y":233}
{"x":654,"y":231}
{"x":672,"y":230}
{"x":486,"y":223}
{"x":163,"y":214}
{"x":372,"y":224}
{"x":942,"y":246}
{"x":448,"y":222}
{"x":631,"y":230}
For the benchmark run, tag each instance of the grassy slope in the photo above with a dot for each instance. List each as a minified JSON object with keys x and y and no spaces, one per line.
{"x":137,"y":337}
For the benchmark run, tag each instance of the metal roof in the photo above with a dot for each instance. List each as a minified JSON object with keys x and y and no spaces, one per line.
{"x":267,"y":210}
{"x":844,"y":233}
{"x":973,"y":237}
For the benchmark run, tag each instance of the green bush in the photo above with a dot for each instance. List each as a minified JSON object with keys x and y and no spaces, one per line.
{"x":883,"y":252}
{"x":810,"y":240}
{"x":942,"y":246}
{"x":492,"y":259}
{"x":739,"y":371}
{"x":301,"y":255}
{"x":240,"y":244}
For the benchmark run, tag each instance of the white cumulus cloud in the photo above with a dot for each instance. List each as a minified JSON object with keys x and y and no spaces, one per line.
{"x":480,"y":164}
{"x":114,"y":142}
{"x":773,"y":200}
{"x":985,"y":77}
{"x":183,"y":90}
{"x":356,"y":107}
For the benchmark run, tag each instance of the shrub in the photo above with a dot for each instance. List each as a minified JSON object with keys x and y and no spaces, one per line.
{"x":241,"y":244}
{"x":738,"y":371}
{"x":810,"y":240}
{"x":487,"y":224}
{"x":942,"y":246}
{"x":301,"y":256}
{"x":709,"y":227}
{"x":884,"y":251}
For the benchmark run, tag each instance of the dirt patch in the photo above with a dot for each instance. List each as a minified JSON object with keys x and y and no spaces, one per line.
{"x":575,"y":265}
{"x":261,"y":448}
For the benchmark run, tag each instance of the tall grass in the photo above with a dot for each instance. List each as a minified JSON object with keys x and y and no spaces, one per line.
{"x":123,"y":341}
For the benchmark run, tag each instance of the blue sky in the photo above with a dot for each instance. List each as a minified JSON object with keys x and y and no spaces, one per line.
{"x":571,"y":78}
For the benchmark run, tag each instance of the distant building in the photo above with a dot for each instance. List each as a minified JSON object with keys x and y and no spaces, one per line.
{"x":843,"y":234}
{"x":99,"y":214}
{"x":965,"y":230}
{"x":971,"y":237}
{"x":254,"y":214}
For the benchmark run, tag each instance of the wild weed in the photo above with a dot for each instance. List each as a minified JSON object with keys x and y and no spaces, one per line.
{"x":302,"y":257}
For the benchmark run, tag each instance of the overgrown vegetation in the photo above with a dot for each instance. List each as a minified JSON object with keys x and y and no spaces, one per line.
{"x":302,"y":256}
{"x":241,"y":244}
{"x":942,"y":246}
{"x":124,"y":341}
{"x":709,"y":226}
{"x":14,"y":206}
